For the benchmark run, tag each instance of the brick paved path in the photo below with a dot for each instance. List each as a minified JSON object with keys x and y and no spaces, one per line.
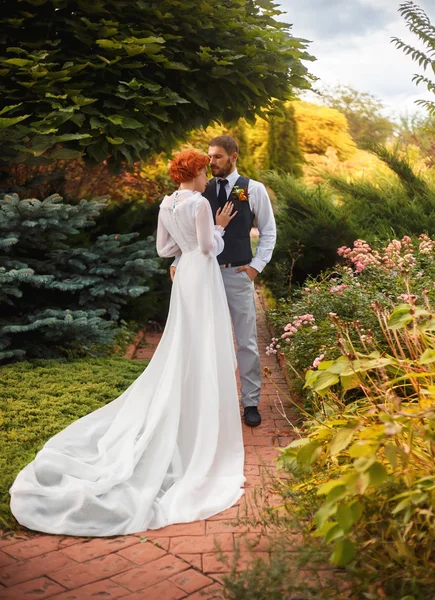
{"x":179,"y":561}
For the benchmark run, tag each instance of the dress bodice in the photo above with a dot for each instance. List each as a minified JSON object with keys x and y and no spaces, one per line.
{"x":186,"y":224}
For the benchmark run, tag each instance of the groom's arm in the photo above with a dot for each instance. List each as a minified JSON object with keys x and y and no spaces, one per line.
{"x":262,"y":208}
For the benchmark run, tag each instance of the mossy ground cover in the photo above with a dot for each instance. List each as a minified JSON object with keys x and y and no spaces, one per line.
{"x":40,"y":398}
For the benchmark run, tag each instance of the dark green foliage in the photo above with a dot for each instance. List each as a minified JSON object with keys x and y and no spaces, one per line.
{"x":39,"y":399}
{"x":313,"y":222}
{"x":419,"y":24}
{"x":388,"y":207}
{"x":120,"y":79}
{"x":310,"y":229}
{"x":245,"y":164}
{"x":283,"y":150}
{"x":56,"y":294}
{"x":135,"y":216}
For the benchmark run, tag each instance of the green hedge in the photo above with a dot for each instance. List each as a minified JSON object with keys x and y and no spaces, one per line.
{"x":38,"y":399}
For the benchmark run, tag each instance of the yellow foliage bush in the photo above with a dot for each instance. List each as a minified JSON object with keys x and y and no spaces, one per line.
{"x":321,"y":127}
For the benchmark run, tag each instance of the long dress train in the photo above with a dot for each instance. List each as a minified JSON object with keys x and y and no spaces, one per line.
{"x":169,"y":449}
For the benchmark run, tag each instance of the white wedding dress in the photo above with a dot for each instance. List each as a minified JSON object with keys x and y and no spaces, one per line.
{"x":170,"y":448}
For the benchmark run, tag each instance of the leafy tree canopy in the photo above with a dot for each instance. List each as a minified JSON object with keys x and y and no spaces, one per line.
{"x":419,"y":23}
{"x":120,"y":79}
{"x":363,"y":112}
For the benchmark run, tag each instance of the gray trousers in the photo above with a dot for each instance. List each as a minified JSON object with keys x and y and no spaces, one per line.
{"x":241,"y":301}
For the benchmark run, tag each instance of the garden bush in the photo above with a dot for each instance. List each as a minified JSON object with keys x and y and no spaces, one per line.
{"x":57,"y":294}
{"x":369,"y":464}
{"x":402,"y":270}
{"x":309,"y":229}
{"x":312,"y":221}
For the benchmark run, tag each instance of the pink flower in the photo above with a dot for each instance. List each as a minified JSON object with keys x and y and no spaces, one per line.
{"x":318,"y":360}
{"x":408,"y":298}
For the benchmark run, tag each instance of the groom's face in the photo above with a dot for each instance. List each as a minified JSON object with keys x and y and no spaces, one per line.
{"x":221,"y":163}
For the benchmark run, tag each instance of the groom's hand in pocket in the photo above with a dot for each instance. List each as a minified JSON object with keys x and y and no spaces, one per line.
{"x":172,"y":272}
{"x":252,"y":273}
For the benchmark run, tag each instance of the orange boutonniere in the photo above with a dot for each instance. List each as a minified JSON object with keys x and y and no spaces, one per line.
{"x":241,"y":194}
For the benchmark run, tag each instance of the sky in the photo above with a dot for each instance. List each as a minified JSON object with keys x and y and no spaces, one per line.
{"x":351,"y":41}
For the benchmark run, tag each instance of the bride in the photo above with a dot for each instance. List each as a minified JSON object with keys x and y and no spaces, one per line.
{"x":169,"y":449}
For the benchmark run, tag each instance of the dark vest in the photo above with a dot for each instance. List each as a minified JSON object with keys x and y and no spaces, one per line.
{"x":237,"y":233}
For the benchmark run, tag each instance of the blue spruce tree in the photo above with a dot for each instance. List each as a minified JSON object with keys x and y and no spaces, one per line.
{"x":56,"y":295}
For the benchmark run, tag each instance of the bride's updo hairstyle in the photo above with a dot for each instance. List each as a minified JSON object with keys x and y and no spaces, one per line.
{"x":186,"y":165}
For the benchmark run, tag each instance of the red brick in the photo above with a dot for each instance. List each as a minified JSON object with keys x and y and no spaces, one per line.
{"x":213,"y":592}
{"x":70,"y":541}
{"x":99,"y":568}
{"x":35,"y":546}
{"x":213,"y":564}
{"x":254,"y":542}
{"x":165,"y":590}
{"x":196,"y":528}
{"x":251,"y":470}
{"x":36,"y":589}
{"x":254,"y":481}
{"x":151,"y":573}
{"x":264,"y":441}
{"x":269,"y":431}
{"x":219,"y":527}
{"x":265,"y":454}
{"x":219,"y":577}
{"x":98,"y":547}
{"x":5,"y":559}
{"x":246,"y":430}
{"x":24,"y":570}
{"x":191,"y":581}
{"x":285,"y":441}
{"x":9,"y":540}
{"x":106,"y":589}
{"x":140,"y":554}
{"x":251,"y":457}
{"x":199,"y":544}
{"x":193,"y":559}
{"x":229,"y":513}
{"x":162,"y":542}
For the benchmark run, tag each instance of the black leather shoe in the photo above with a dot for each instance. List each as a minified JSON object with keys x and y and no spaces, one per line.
{"x":252,"y":416}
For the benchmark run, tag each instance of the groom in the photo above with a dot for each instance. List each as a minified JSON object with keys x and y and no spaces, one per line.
{"x":239,"y":267}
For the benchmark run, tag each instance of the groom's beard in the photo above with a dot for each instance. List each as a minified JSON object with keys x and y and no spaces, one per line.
{"x":222,"y":171}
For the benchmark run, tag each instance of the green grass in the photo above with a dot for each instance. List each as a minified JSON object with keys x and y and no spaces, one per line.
{"x":38,"y":399}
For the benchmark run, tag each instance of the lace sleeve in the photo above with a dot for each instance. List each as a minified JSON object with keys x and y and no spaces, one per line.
{"x":209,"y":235}
{"x":165,"y":243}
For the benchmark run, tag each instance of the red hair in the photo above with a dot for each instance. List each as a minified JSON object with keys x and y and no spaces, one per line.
{"x":186,"y":165}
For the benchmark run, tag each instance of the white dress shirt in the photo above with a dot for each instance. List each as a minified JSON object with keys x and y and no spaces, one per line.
{"x":259,"y":203}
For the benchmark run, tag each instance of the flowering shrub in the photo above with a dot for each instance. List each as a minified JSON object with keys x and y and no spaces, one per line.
{"x":369,"y":465}
{"x":289,"y":330}
{"x":340,"y":302}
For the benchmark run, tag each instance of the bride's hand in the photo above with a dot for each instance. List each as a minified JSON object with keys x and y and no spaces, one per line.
{"x":225,"y":215}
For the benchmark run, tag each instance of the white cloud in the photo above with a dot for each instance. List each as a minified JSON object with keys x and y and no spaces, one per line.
{"x":352,"y":44}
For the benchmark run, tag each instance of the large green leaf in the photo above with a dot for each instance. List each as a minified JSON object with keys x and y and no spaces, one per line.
{"x":65,"y":153}
{"x":377,"y":473}
{"x":345,"y":517}
{"x":344,"y":552}
{"x":309,"y":453}
{"x":10,"y":121}
{"x":342,"y":439}
{"x":323,"y":381}
{"x":160,"y":69}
